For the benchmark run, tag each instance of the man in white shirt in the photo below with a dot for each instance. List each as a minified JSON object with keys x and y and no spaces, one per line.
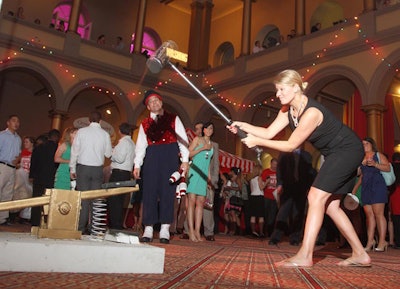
{"x":161,"y":141}
{"x":122,"y":158}
{"x":10,"y":149}
{"x":91,"y":146}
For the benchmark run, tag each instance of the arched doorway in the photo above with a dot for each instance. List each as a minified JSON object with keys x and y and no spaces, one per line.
{"x":26,"y":93}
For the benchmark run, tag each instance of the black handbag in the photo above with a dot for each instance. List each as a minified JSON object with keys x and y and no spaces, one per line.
{"x":236,"y":201}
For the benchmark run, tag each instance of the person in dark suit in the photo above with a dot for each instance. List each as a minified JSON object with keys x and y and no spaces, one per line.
{"x":295,"y":174}
{"x":43,"y":170}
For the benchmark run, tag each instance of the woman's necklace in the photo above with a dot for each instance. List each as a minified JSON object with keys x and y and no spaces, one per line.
{"x":296,"y":118}
{"x":207,"y":152}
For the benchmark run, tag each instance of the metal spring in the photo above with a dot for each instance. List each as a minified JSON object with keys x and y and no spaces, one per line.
{"x":99,"y":219}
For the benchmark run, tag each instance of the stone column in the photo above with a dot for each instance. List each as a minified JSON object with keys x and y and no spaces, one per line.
{"x":205,"y":34}
{"x":246,"y":28}
{"x":74,"y":16}
{"x":140,"y":20}
{"x":300,"y":17}
{"x":57,"y":117}
{"x":195,"y":38}
{"x":374,"y":113}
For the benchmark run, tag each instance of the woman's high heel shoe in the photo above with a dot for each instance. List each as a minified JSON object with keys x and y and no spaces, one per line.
{"x":370,"y":247}
{"x":383,"y":249}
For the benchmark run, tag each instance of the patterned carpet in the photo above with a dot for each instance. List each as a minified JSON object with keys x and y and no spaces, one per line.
{"x":229,"y":262}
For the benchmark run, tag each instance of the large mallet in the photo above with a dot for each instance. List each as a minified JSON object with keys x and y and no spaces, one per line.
{"x":161,"y":58}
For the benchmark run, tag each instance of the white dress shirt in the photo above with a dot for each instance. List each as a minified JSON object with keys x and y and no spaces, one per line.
{"x":91,"y":145}
{"x":141,"y":143}
{"x":123,"y":154}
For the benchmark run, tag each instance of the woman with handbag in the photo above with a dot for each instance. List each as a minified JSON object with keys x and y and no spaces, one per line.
{"x":374,"y":194}
{"x":200,"y":151}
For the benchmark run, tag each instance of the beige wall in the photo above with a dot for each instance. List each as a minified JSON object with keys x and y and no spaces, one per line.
{"x":118,"y":18}
{"x":241,"y":81}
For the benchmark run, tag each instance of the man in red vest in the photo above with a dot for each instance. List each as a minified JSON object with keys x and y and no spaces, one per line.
{"x":161,"y":141}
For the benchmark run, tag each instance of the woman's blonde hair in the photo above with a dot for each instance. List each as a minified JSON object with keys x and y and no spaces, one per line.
{"x":66,"y":137}
{"x":290,"y":77}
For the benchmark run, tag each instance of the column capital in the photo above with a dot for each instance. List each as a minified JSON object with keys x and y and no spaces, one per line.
{"x":57,"y":116}
{"x":58,"y":113}
{"x":373,"y":107}
{"x":374,"y":113}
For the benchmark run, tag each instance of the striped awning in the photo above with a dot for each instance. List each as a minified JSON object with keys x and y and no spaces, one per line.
{"x":228,"y":160}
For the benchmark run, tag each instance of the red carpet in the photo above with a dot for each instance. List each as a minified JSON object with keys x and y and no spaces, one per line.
{"x":229,"y":262}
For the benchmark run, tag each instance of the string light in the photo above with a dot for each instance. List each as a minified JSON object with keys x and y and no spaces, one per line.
{"x":35,"y":42}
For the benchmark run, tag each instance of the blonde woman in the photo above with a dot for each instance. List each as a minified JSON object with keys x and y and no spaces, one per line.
{"x":62,"y":156}
{"x":343,"y":153}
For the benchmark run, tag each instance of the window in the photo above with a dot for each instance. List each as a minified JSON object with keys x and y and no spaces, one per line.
{"x":225,"y":54}
{"x":62,"y":12}
{"x":151,"y":41}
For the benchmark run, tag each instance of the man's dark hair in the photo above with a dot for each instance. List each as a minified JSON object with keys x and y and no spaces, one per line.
{"x":41,"y":139}
{"x":11,"y":116}
{"x":95,"y":116}
{"x":199,"y":122}
{"x":125,"y":128}
{"x":54,"y":135}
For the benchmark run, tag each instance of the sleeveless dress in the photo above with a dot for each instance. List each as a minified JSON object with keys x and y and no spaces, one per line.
{"x":198,"y":172}
{"x":342,"y":149}
{"x":63,"y":179}
{"x":373,"y":186}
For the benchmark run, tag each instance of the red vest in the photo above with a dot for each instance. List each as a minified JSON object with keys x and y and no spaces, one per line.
{"x":162,"y":131}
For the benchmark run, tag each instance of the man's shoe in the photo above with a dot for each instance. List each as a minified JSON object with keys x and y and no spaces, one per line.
{"x":6,"y":223}
{"x":164,"y":241}
{"x":273,"y":242}
{"x":210,"y":238}
{"x":184,"y":236}
{"x":146,"y":240}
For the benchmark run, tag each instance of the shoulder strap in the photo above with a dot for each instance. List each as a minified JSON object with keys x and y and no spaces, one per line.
{"x":379,"y":159}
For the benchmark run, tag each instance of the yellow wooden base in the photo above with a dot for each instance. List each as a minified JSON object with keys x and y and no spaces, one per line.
{"x":58,"y":234}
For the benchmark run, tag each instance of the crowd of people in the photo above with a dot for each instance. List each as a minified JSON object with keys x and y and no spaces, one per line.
{"x":288,"y":198}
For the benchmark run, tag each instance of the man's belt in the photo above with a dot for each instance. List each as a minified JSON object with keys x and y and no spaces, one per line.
{"x":8,"y":165}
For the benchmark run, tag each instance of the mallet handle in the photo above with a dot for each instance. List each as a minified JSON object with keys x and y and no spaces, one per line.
{"x":240,"y":132}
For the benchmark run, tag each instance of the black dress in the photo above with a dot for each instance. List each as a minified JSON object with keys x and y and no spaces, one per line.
{"x":341,"y":148}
